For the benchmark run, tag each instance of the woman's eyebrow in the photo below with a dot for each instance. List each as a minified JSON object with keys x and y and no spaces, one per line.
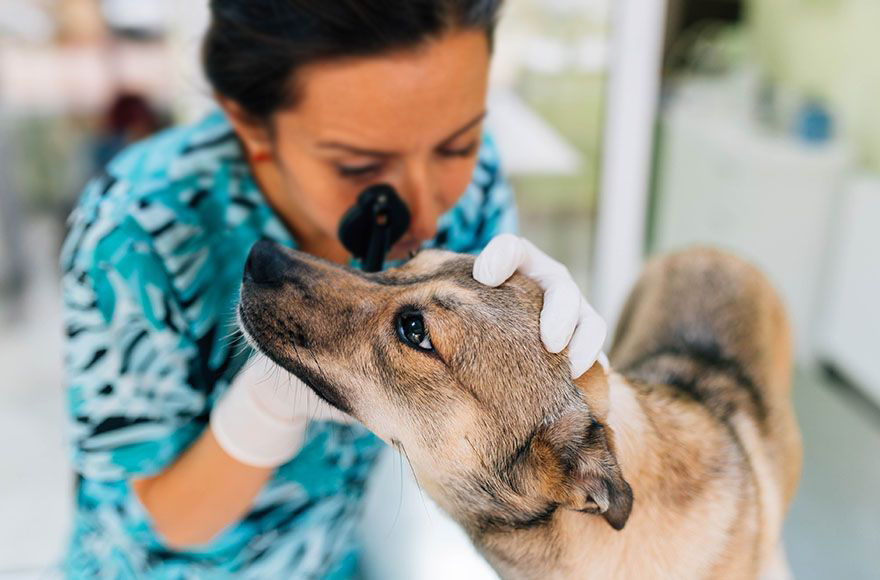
{"x":376,"y":153}
{"x":354,"y":149}
{"x":469,"y":125}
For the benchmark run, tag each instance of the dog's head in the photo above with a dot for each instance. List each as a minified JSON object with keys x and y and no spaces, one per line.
{"x":450,"y":371}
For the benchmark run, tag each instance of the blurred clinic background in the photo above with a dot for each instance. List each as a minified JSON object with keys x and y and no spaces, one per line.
{"x":626,"y":128}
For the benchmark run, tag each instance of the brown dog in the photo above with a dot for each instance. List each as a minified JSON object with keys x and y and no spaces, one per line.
{"x":681,"y":465}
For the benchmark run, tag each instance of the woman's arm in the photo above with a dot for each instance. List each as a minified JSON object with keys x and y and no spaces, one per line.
{"x":133,"y":371}
{"x":200,"y":494}
{"x":258,"y":424}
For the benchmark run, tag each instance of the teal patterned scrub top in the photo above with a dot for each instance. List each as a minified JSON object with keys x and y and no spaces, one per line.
{"x":150,"y":276}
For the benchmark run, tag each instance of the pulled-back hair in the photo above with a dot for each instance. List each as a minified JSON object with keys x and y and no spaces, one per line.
{"x":254,"y":48}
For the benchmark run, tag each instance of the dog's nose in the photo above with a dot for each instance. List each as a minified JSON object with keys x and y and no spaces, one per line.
{"x":266,"y":264}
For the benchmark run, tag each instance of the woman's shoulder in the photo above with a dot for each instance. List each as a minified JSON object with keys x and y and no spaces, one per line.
{"x":167,"y":168}
{"x":158,"y":186}
{"x":179,"y":152}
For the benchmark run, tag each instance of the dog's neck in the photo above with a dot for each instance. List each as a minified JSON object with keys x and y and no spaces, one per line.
{"x":633,"y":432}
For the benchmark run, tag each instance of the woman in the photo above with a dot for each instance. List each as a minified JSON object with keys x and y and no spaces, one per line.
{"x":187,"y":467}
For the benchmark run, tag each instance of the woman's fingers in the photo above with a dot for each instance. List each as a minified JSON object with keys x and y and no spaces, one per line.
{"x":586,"y":343}
{"x":559,"y":316}
{"x":567,"y":319}
{"x":499,"y":260}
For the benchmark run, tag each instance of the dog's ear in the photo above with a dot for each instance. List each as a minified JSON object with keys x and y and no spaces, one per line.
{"x":598,"y":481}
{"x":572,"y":460}
{"x":580,"y":470}
{"x":602,"y":486}
{"x":575,"y":457}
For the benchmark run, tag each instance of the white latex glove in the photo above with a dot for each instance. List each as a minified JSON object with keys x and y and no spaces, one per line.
{"x":567,"y":319}
{"x":262,"y":417}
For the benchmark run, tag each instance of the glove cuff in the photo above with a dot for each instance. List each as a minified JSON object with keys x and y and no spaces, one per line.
{"x":252,"y":435}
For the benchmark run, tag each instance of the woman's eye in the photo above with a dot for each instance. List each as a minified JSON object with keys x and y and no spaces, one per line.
{"x":358,"y":171}
{"x":461,"y":152}
{"x":411,"y":330}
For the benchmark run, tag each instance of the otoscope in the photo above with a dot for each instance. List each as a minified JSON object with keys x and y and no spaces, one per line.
{"x":373,"y":225}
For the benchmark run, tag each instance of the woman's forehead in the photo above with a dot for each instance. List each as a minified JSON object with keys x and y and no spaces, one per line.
{"x":396,"y":100}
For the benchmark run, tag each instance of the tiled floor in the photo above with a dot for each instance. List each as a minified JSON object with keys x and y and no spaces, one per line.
{"x":833,"y":530}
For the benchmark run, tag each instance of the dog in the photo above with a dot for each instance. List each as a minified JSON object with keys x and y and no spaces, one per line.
{"x":679,"y":464}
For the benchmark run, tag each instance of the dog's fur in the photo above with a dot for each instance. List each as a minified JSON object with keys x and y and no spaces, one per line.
{"x":679,"y":465}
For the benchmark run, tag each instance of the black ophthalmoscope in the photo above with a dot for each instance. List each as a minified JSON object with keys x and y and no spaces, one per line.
{"x":373,"y":225}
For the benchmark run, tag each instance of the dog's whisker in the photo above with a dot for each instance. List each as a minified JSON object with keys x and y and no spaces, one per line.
{"x":253,"y":361}
{"x":238,"y":339}
{"x":320,"y":370}
{"x":400,"y":493}
{"x":232,"y":329}
{"x":299,"y":360}
{"x":239,"y":348}
{"x":234,"y":336}
{"x":232,"y":325}
{"x":233,"y":340}
{"x":273,"y":376}
{"x":415,"y":477}
{"x":296,"y":352}
{"x":321,"y":410}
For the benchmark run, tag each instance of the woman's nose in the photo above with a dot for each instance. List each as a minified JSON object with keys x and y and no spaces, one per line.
{"x":419,"y":192}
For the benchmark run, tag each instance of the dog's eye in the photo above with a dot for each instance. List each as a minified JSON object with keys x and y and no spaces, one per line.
{"x":411,"y":330}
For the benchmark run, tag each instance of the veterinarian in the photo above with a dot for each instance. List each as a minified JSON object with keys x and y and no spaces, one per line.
{"x":187,"y":467}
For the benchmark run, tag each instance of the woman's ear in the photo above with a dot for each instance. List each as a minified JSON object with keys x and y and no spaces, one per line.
{"x":254,"y":133}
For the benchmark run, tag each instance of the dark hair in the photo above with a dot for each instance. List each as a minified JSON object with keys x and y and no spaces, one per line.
{"x":254,"y":47}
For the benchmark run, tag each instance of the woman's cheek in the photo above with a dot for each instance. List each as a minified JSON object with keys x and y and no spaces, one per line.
{"x":455,"y":181}
{"x":334,"y":195}
{"x":327,"y":200}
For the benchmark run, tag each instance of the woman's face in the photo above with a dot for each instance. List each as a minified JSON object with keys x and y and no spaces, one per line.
{"x":411,"y":119}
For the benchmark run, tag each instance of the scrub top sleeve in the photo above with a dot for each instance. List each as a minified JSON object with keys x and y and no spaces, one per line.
{"x":129,"y":358}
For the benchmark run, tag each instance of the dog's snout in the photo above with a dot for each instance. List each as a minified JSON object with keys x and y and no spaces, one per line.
{"x":266,"y":264}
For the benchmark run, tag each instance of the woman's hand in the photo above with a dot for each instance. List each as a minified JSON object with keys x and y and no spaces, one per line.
{"x":567,"y":319}
{"x":261,"y":419}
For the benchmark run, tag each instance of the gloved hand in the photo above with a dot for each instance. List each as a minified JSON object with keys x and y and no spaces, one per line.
{"x":567,"y":319}
{"x":261,"y":419}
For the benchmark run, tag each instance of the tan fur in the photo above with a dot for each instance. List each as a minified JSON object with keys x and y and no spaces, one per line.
{"x":680,"y":466}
